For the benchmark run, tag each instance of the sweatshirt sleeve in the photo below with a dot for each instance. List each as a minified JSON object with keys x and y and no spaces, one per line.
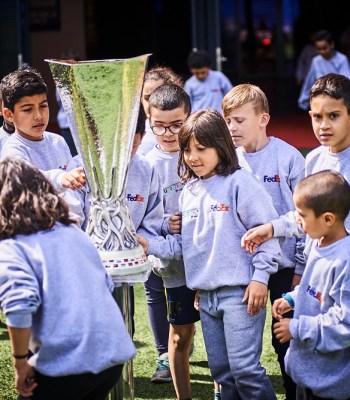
{"x":169,"y":247}
{"x":19,"y":291}
{"x":151,"y":223}
{"x":253,"y":213}
{"x":55,"y":176}
{"x":304,"y":98}
{"x":286,"y":226}
{"x":329,"y":331}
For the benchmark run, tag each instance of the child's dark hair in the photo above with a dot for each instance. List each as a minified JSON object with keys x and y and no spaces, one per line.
{"x":141,"y":122}
{"x":169,"y":96}
{"x":334,"y":85}
{"x":323,"y":35}
{"x":28,"y":201}
{"x":165,"y":74}
{"x":198,"y":59}
{"x":20,"y":83}
{"x":209,"y":129}
{"x":325,"y":191}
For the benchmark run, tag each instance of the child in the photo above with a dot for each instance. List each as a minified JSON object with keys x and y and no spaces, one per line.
{"x":319,"y":352}
{"x":206,"y":87}
{"x":154,"y":288}
{"x":330,"y":116}
{"x":24,"y":94}
{"x":155,"y":77}
{"x":60,"y":313}
{"x":169,"y":106}
{"x":218,"y":203}
{"x":327,"y":61}
{"x":279,"y":167}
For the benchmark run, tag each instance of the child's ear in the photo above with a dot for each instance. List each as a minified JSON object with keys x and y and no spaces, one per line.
{"x":265,"y":119}
{"x":329,"y":218}
{"x":7,"y":113}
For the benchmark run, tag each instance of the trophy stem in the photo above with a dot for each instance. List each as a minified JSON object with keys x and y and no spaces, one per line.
{"x":125,"y":388}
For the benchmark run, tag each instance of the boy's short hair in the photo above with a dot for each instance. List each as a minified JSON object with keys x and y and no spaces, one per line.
{"x":242,"y":94}
{"x":141,"y":122}
{"x":325,"y":191}
{"x":198,"y":59}
{"x":169,"y":96}
{"x":323,"y":35}
{"x":334,"y":85}
{"x":20,"y":83}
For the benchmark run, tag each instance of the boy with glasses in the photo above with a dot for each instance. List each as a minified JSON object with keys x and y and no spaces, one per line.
{"x":169,"y":107}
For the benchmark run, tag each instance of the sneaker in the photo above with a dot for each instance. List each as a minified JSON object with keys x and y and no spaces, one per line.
{"x":217,"y":395}
{"x":162,"y":373}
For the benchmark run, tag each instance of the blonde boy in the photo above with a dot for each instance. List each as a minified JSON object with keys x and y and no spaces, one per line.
{"x":279,"y":167}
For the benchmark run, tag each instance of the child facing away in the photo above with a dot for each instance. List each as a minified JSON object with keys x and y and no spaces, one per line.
{"x":279,"y":167}
{"x":330,"y":116}
{"x":43,"y":291}
{"x":24,"y":95}
{"x":319,"y":332}
{"x":205,"y":87}
{"x":218,"y":204}
{"x":327,"y":61}
{"x":154,"y":77}
{"x":169,"y":106}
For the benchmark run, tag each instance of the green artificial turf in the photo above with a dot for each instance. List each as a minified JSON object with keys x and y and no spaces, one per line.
{"x":145,"y":361}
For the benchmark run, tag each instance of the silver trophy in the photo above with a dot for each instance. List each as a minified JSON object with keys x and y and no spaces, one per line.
{"x":101,"y":99}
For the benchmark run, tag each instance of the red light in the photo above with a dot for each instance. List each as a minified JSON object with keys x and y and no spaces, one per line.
{"x":266,"y":42}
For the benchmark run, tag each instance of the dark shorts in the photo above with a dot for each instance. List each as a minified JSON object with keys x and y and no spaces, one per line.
{"x":85,"y":386}
{"x":181,"y":310}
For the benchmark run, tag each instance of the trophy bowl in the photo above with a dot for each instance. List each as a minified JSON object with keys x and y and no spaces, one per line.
{"x":101,"y":99}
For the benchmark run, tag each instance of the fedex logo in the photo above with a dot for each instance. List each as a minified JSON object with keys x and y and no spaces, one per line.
{"x":219,"y":207}
{"x":312,"y":292}
{"x":275,"y":178}
{"x":137,"y":197}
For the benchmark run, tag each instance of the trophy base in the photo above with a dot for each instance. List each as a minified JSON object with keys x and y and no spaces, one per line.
{"x":126,"y":265}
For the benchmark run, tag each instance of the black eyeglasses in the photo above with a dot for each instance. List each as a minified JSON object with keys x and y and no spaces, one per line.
{"x":160,"y":130}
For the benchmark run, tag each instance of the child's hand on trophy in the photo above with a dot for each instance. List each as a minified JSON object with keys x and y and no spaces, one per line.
{"x":74,"y":179}
{"x":143,"y":242}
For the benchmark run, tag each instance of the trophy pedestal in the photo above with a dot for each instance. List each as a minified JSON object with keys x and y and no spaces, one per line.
{"x":126,"y":266}
{"x":125,"y":388}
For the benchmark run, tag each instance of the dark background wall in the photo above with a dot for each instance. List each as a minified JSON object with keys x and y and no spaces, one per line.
{"x":33,"y":30}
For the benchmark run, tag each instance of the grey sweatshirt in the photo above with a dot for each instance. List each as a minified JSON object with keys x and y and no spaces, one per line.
{"x":3,"y":137}
{"x":171,"y":270}
{"x":319,"y":353}
{"x":54,"y":282}
{"x":317,"y":160}
{"x":279,"y":167}
{"x":144,"y":197}
{"x":216,"y":212}
{"x":51,"y":155}
{"x":78,"y":200}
